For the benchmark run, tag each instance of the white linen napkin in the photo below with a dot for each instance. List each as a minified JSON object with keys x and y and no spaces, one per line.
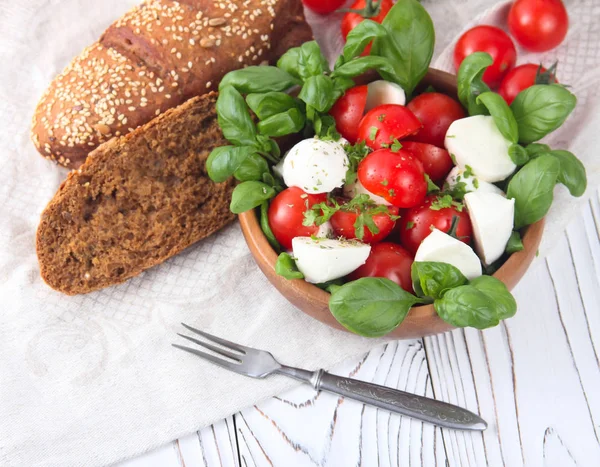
{"x":91,"y":380}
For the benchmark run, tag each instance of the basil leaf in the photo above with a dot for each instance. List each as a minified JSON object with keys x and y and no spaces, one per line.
{"x":532,"y":188}
{"x":258,"y":79}
{"x":514,"y":243}
{"x":286,"y":267}
{"x":225,"y":160}
{"x":371,"y":306}
{"x":358,"y":38}
{"x":252,"y":168}
{"x":289,"y":62}
{"x":434,"y":279}
{"x":571,"y":173}
{"x":266,"y":228}
{"x":541,"y":109}
{"x":518,"y":154}
{"x":535,"y":149}
{"x":470,"y":81}
{"x":505,"y":304}
{"x":360,"y":65}
{"x":408,"y":47}
{"x":285,"y":123}
{"x":248,"y":195}
{"x":501,"y":113}
{"x":317,"y":92}
{"x":340,"y":86}
{"x":270,"y":103}
{"x":311,"y":61}
{"x":234,"y":119}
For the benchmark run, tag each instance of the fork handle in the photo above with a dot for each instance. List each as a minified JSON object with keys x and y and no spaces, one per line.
{"x":419,"y":407}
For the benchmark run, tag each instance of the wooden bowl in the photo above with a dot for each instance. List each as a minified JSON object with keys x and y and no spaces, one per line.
{"x":421,"y":320}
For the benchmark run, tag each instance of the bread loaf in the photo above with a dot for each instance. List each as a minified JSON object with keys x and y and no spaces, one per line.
{"x":137,"y":201}
{"x":154,"y":58}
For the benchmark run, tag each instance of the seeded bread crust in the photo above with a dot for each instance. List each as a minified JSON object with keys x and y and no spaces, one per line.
{"x":137,"y":200}
{"x":155,"y":57}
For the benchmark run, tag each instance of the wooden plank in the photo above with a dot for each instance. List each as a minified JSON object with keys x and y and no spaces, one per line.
{"x":304,"y":428}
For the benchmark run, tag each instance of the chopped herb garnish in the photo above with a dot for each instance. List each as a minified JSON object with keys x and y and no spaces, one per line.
{"x":355,"y":153}
{"x":391,"y":192}
{"x":381,"y":117}
{"x":373,"y":133}
{"x":445,"y":201}
{"x":410,"y":225}
{"x":476,"y":183}
{"x":453,"y":157}
{"x":384,"y":182}
{"x":430,"y":185}
{"x":450,"y":136}
{"x":396,"y":145}
{"x":468,"y":171}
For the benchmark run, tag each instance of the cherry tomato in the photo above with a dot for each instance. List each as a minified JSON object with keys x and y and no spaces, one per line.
{"x":396,"y":176}
{"x":387,"y":260}
{"x":323,"y":7}
{"x":436,"y":161}
{"x":348,"y":111}
{"x":374,"y":10}
{"x":436,"y":112}
{"x":521,"y":77}
{"x":416,"y":223}
{"x":342,"y":223}
{"x":385,"y":123}
{"x":286,"y":214}
{"x":492,"y":40}
{"x":538,"y":25}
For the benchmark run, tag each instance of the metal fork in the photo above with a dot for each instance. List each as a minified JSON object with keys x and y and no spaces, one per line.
{"x":260,"y":363}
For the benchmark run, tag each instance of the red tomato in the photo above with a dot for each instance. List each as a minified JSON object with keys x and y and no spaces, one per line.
{"x":342,"y":223}
{"x":416,"y":223}
{"x":492,"y":40}
{"x":386,"y":122}
{"x":436,"y":161}
{"x":538,"y":25}
{"x":521,"y":77}
{"x":387,"y":260}
{"x":436,"y":112}
{"x":352,"y":19}
{"x":323,"y":7}
{"x":348,"y":112}
{"x":396,"y":176}
{"x":286,"y":214}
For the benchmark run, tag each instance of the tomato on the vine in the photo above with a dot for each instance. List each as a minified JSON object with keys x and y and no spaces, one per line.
{"x":375,"y":10}
{"x":286,"y":214}
{"x":386,"y":123}
{"x":387,"y":260}
{"x":348,"y":111}
{"x":436,"y":211}
{"x":522,"y":77}
{"x":495,"y":42}
{"x":538,"y":25}
{"x":436,"y":161}
{"x":436,"y":111}
{"x":344,"y":222}
{"x":398,"y":177}
{"x":323,"y":7}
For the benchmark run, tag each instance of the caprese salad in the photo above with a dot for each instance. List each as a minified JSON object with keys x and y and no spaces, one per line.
{"x":395,"y":195}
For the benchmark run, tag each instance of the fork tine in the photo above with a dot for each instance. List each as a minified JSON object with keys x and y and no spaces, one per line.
{"x":216,"y":349}
{"x":211,"y":358}
{"x":218,"y":340}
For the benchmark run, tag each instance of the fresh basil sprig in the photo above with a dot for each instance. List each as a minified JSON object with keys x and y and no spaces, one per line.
{"x":225,"y":160}
{"x":266,"y":228}
{"x":470,"y":82}
{"x":358,"y":38}
{"x":250,"y":194}
{"x":518,"y":154}
{"x":432,"y":279}
{"x":514,"y":243}
{"x":501,"y":113}
{"x":265,"y":105}
{"x":571,"y":173}
{"x":254,"y":79}
{"x":235,"y":121}
{"x":286,"y":267}
{"x":281,"y":124}
{"x":253,"y":167}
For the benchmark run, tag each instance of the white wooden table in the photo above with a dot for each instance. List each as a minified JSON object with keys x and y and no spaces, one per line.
{"x":535,"y":379}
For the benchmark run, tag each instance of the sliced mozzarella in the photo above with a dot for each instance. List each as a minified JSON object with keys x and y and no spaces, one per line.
{"x":357,"y":188}
{"x":492,"y":218}
{"x":476,"y":142}
{"x":316,"y":166}
{"x":325,"y":229}
{"x":469,"y":182}
{"x":383,"y":92}
{"x":325,"y":260}
{"x":442,"y":248}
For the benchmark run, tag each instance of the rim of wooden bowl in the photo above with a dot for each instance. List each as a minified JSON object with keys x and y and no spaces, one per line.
{"x":421,"y":320}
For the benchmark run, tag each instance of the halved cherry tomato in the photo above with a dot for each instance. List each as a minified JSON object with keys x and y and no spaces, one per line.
{"x":492,"y":40}
{"x":538,"y":25}
{"x":436,"y":111}
{"x":375,"y":10}
{"x":416,"y":223}
{"x":396,"y":176}
{"x":381,"y":125}
{"x":348,"y":111}
{"x":522,"y":77}
{"x":387,"y":260}
{"x":286,"y":214}
{"x":436,"y":161}
{"x":323,"y":7}
{"x":342,"y":223}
